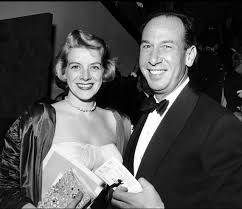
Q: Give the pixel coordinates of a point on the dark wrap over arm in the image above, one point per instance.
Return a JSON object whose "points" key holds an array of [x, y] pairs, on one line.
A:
{"points": [[26, 143]]}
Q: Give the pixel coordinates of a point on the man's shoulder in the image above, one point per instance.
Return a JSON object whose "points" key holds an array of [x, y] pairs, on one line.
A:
{"points": [[208, 106]]}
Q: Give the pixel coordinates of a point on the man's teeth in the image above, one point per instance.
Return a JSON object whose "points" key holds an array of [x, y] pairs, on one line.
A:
{"points": [[155, 72]]}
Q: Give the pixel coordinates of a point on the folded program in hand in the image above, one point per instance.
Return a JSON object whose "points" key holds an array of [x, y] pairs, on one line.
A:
{"points": [[63, 192]]}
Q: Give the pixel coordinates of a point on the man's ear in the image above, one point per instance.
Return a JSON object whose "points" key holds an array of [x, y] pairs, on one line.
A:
{"points": [[191, 54]]}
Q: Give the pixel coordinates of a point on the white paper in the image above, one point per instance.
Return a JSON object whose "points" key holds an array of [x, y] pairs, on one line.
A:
{"points": [[112, 170]]}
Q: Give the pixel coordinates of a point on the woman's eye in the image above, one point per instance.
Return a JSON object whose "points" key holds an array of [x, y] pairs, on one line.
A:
{"points": [[95, 67]]}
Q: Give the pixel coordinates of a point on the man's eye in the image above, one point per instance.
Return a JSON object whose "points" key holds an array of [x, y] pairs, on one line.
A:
{"points": [[146, 46], [166, 46], [75, 67]]}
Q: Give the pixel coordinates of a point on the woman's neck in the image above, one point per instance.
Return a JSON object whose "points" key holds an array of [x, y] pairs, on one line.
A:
{"points": [[83, 106]]}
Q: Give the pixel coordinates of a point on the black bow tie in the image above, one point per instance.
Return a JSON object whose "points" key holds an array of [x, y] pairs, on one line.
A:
{"points": [[149, 105]]}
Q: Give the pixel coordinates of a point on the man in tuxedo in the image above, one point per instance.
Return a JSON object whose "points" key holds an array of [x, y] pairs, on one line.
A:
{"points": [[189, 155]]}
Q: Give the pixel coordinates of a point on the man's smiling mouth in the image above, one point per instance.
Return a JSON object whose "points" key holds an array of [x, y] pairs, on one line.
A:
{"points": [[157, 71]]}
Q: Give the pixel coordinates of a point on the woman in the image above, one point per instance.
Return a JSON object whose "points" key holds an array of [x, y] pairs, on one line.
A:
{"points": [[75, 125]]}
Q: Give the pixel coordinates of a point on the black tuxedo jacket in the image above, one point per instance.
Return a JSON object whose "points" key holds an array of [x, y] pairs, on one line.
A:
{"points": [[194, 159]]}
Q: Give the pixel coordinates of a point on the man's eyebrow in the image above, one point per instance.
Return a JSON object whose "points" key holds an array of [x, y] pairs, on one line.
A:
{"points": [[162, 42], [168, 41], [70, 63], [144, 42]]}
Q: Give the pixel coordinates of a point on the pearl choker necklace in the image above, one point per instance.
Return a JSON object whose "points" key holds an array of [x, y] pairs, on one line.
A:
{"points": [[81, 109]]}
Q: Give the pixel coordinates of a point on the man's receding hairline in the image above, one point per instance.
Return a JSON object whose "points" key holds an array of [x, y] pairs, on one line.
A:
{"points": [[166, 16]]}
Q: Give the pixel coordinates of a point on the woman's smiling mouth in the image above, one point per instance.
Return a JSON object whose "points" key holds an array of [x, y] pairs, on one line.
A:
{"points": [[84, 86]]}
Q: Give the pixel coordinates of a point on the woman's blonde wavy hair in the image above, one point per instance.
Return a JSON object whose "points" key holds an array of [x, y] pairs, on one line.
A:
{"points": [[78, 39]]}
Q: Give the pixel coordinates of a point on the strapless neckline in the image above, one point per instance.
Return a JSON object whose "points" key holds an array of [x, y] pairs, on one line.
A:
{"points": [[92, 156], [83, 144]]}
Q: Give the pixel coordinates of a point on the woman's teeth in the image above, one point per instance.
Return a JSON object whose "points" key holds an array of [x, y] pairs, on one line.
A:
{"points": [[84, 86]]}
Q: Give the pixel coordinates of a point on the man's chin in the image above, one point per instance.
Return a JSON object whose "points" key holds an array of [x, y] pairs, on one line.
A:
{"points": [[155, 86]]}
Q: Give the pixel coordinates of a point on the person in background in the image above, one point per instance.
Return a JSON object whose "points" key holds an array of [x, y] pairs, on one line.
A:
{"points": [[228, 49], [210, 76], [124, 93], [233, 86], [76, 125], [187, 152]]}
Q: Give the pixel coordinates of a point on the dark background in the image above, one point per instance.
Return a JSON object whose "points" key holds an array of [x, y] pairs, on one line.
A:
{"points": [[221, 15], [25, 62]]}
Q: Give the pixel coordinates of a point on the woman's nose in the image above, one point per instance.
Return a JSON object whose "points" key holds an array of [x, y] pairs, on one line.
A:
{"points": [[85, 74]]}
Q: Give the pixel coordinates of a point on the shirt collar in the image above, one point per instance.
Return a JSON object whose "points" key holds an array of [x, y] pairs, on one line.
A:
{"points": [[174, 94]]}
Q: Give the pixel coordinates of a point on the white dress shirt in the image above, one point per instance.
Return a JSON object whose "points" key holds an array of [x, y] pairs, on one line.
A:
{"points": [[150, 126]]}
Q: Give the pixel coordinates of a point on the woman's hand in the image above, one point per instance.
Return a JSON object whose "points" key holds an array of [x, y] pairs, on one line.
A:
{"points": [[28, 205], [78, 198], [148, 198]]}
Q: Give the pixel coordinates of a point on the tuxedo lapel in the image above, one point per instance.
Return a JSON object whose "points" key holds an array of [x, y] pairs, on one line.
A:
{"points": [[130, 148], [166, 133]]}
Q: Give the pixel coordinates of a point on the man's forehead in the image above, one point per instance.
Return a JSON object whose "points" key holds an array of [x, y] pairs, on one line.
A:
{"points": [[163, 26], [165, 22]]}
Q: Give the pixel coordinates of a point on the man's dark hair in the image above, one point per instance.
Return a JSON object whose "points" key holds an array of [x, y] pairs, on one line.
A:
{"points": [[187, 20]]}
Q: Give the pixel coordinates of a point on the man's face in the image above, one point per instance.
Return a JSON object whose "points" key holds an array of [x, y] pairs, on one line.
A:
{"points": [[162, 54]]}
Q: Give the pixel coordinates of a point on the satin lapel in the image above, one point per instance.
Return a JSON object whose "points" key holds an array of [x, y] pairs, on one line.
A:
{"points": [[166, 133], [130, 148]]}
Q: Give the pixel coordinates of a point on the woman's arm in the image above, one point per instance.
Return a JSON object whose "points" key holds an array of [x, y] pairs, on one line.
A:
{"points": [[11, 193]]}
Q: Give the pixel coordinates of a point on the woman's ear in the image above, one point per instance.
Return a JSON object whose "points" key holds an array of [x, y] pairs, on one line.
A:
{"points": [[191, 54], [59, 71]]}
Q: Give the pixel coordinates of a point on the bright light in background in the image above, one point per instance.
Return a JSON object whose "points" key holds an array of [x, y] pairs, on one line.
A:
{"points": [[139, 4]]}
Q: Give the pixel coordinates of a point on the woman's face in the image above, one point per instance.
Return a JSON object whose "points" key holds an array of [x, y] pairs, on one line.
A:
{"points": [[84, 72]]}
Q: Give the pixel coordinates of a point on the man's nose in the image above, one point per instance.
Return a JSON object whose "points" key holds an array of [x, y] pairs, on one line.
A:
{"points": [[155, 57]]}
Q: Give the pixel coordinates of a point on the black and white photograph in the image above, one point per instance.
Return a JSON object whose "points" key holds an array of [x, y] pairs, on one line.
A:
{"points": [[121, 104]]}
